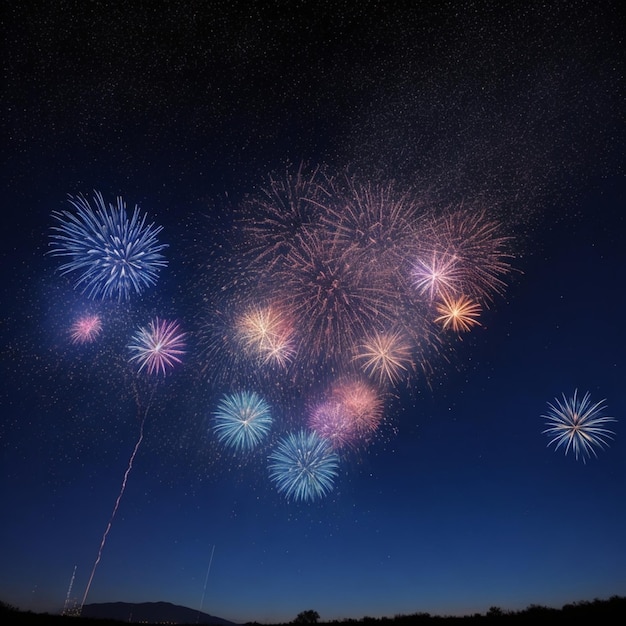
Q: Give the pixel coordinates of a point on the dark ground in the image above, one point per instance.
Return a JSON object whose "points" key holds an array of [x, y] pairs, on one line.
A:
{"points": [[605, 612]]}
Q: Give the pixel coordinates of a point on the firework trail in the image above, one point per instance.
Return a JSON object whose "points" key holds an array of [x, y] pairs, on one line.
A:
{"points": [[578, 425], [119, 498], [113, 255], [66, 606], [206, 580]]}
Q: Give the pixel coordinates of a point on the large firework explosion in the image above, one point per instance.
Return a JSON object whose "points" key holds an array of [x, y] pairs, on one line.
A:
{"points": [[113, 254]]}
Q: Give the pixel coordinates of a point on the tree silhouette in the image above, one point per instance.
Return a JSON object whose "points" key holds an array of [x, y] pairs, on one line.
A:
{"points": [[307, 617]]}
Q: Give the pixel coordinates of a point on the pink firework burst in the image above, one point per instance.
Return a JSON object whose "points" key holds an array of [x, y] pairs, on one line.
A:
{"points": [[158, 347], [349, 416], [86, 329], [363, 404], [479, 249]]}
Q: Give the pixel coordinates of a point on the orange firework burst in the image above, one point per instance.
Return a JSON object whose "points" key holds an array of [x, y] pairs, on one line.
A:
{"points": [[458, 314], [266, 333], [385, 356]]}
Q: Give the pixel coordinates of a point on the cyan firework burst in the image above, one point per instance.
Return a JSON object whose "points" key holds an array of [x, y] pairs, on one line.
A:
{"points": [[578, 425], [242, 420], [303, 466], [158, 347], [112, 254]]}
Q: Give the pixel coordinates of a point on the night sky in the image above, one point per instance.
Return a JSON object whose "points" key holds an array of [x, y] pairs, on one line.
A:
{"points": [[188, 110]]}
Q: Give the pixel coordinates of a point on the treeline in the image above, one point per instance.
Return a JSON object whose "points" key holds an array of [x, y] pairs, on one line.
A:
{"points": [[605, 612]]}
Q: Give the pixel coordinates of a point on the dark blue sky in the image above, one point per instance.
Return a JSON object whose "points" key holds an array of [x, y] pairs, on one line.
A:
{"points": [[184, 109]]}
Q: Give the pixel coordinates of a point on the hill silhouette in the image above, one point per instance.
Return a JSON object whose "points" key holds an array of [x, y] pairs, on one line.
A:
{"points": [[151, 612]]}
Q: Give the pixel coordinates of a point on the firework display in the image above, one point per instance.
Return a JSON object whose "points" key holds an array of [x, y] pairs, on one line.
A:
{"points": [[334, 292]]}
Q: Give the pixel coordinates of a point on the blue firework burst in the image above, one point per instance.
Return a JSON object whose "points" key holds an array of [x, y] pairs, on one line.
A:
{"points": [[242, 420], [112, 254], [578, 425], [303, 466]]}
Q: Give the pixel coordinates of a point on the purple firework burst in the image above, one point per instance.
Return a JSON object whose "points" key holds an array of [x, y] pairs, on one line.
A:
{"points": [[158, 347]]}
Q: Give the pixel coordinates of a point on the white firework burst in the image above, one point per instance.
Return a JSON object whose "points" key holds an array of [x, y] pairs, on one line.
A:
{"points": [[578, 425]]}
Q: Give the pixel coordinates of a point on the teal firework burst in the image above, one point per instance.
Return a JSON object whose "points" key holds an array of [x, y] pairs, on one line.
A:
{"points": [[242, 420], [303, 466]]}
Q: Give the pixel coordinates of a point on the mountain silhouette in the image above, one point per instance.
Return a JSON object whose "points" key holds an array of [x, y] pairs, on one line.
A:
{"points": [[152, 612]]}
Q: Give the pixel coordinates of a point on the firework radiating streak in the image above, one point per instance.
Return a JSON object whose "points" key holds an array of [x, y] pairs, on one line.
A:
{"points": [[206, 580], [117, 502]]}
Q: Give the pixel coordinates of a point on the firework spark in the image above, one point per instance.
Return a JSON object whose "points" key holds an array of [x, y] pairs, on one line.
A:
{"points": [[578, 425], [303, 466], [242, 420], [158, 347], [458, 314], [86, 329], [114, 255]]}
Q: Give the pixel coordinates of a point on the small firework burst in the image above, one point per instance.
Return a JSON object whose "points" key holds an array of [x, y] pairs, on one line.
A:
{"points": [[86, 329], [242, 420], [437, 275], [158, 347], [385, 356], [458, 314], [578, 425]]}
